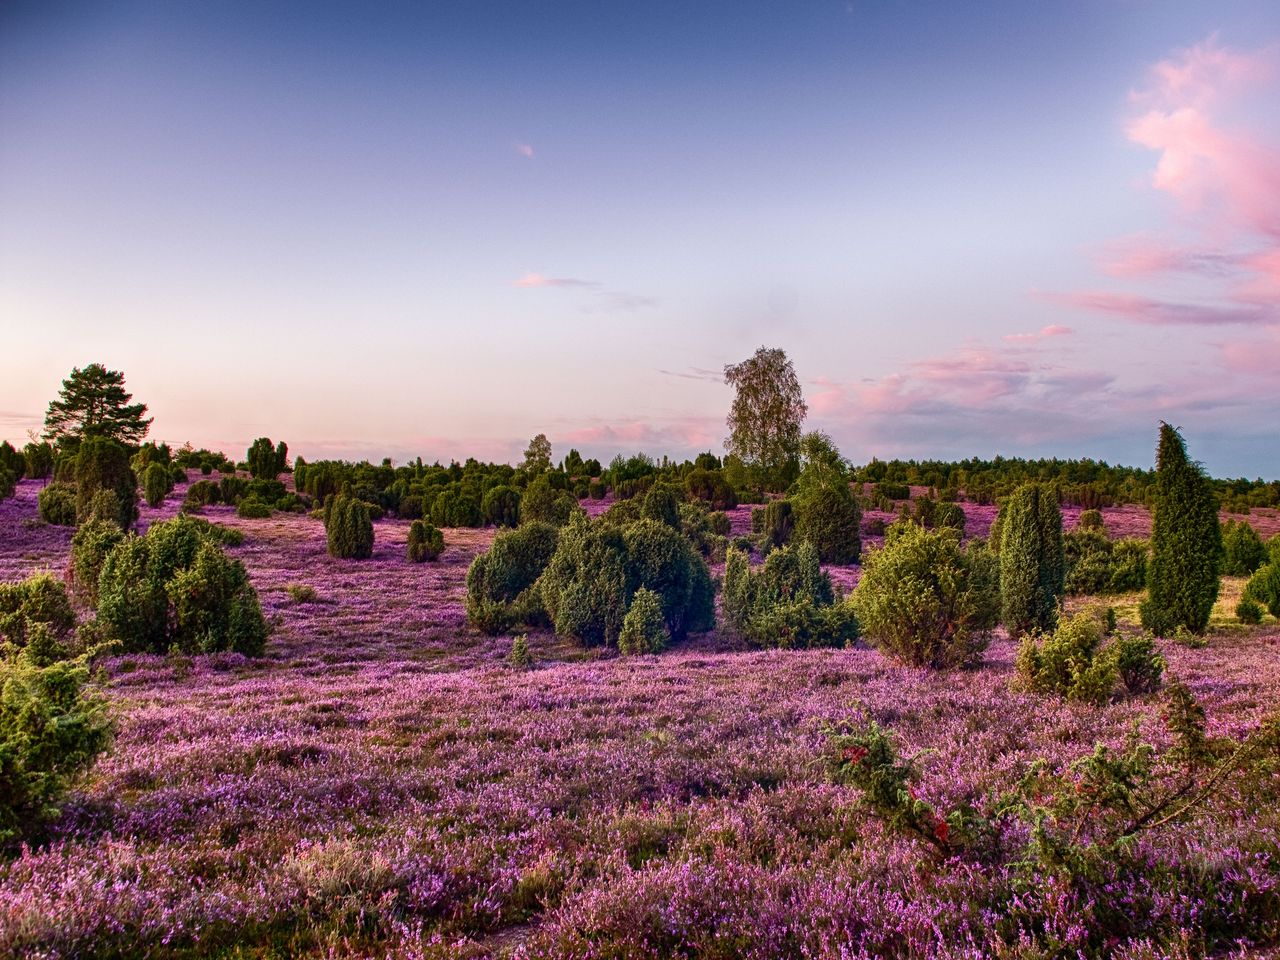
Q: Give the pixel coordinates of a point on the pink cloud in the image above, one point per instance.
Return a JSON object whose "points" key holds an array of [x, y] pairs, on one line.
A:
{"points": [[1158, 313], [538, 280], [1253, 357], [525, 150], [674, 434], [1052, 330]]}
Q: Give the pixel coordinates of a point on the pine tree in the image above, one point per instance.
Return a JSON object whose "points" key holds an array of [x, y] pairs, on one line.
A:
{"points": [[1186, 542], [94, 403], [1032, 565]]}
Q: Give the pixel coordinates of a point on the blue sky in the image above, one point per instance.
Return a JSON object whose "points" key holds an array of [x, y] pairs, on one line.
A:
{"points": [[439, 228]]}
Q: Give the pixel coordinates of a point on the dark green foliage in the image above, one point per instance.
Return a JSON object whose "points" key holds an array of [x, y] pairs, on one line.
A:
{"points": [[1032, 563], [586, 587], [232, 489], [829, 517], [1090, 520], [1097, 565], [8, 483], [1242, 549], [661, 504], [103, 464], [11, 461], [251, 509], [201, 494], [1138, 663], [1248, 611], [660, 559], [268, 491], [500, 583], [40, 599], [156, 484], [94, 403], [1186, 542], [597, 490], [265, 461], [644, 629], [893, 491], [425, 542], [775, 525], [214, 606], [711, 487], [456, 507], [92, 542], [543, 503], [925, 600], [410, 507], [501, 506], [1264, 587], [38, 460], [788, 603], [349, 528], [51, 730], [175, 587], [177, 474], [57, 504]]}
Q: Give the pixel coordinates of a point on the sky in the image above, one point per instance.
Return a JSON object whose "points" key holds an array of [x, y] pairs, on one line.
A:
{"points": [[436, 229]]}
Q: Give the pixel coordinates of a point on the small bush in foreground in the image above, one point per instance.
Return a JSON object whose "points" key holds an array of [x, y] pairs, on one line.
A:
{"points": [[425, 542], [40, 599], [1248, 611], [51, 730], [520, 658]]}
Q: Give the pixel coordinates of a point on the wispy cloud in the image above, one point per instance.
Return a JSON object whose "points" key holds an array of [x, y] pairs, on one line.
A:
{"points": [[696, 373], [1044, 333], [606, 299], [525, 150], [1160, 313]]}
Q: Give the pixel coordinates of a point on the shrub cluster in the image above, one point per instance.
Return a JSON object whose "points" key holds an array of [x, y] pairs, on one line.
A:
{"points": [[1073, 661], [425, 542], [829, 517], [102, 465], [644, 630], [175, 587], [156, 483], [57, 504], [1098, 565], [1242, 549], [501, 590], [349, 528], [92, 542], [774, 524], [789, 602], [265, 461], [927, 601]]}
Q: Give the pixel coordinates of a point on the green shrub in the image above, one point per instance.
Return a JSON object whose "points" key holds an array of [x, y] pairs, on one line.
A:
{"points": [[92, 542], [269, 491], [232, 489], [8, 483], [501, 506], [520, 658], [251, 509], [1264, 587], [893, 491], [710, 486], [644, 628], [302, 593], [597, 490], [1069, 662], [1242, 549], [1091, 520], [1248, 611], [103, 465], [1186, 542], [501, 591], [11, 462], [661, 560], [349, 528], [266, 461], [543, 503], [425, 542], [201, 494], [51, 730], [789, 602], [775, 525], [1032, 564], [214, 606], [1137, 661], [586, 586], [926, 601], [39, 599], [38, 460], [828, 516], [410, 507], [455, 507], [802, 624], [175, 587], [155, 484], [661, 504], [57, 504]]}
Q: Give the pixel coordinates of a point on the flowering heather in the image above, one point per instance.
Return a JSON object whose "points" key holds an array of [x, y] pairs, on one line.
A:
{"points": [[383, 783]]}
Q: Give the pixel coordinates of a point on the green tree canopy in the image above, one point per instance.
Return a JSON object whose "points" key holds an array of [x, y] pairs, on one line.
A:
{"points": [[94, 403], [537, 456], [764, 421]]}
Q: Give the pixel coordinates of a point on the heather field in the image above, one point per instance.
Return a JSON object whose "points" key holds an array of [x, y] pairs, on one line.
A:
{"points": [[381, 783]]}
